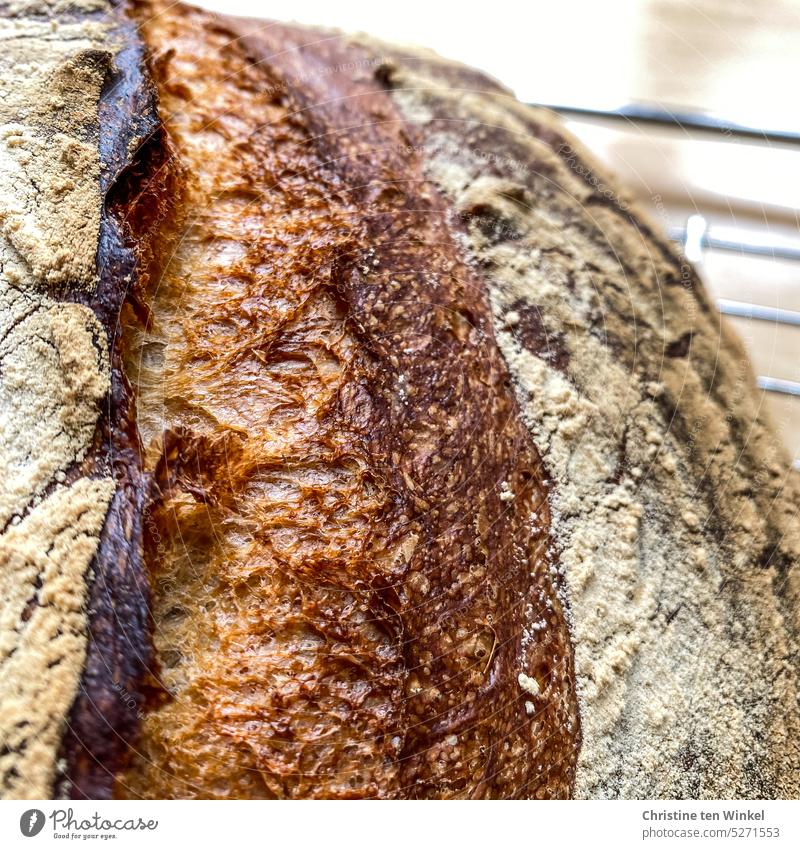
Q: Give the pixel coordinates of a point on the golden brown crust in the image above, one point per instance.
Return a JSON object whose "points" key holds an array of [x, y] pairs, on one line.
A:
{"points": [[349, 547]]}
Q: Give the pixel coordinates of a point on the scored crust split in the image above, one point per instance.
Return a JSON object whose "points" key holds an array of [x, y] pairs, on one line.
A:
{"points": [[361, 439]]}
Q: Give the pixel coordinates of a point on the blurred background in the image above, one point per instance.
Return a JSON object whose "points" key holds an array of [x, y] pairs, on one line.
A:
{"points": [[691, 102]]}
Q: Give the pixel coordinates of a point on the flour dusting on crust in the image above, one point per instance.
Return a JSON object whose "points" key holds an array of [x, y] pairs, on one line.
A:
{"points": [[54, 374], [43, 577], [673, 505]]}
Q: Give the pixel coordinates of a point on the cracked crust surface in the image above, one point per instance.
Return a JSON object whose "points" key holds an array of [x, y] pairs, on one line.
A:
{"points": [[349, 539], [43, 580], [54, 374]]}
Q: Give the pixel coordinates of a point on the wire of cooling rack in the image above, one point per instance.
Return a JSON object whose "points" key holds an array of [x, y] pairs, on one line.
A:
{"points": [[697, 236], [645, 113]]}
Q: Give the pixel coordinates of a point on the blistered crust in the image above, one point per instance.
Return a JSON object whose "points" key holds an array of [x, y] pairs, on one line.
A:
{"points": [[355, 588], [352, 592]]}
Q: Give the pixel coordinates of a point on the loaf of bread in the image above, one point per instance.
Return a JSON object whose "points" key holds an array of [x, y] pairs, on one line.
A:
{"points": [[361, 439]]}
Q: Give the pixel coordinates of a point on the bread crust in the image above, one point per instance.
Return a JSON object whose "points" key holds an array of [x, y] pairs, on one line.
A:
{"points": [[352, 522], [364, 441], [674, 504]]}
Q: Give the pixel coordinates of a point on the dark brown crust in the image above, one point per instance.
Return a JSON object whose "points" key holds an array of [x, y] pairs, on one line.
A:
{"points": [[446, 715], [104, 719]]}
